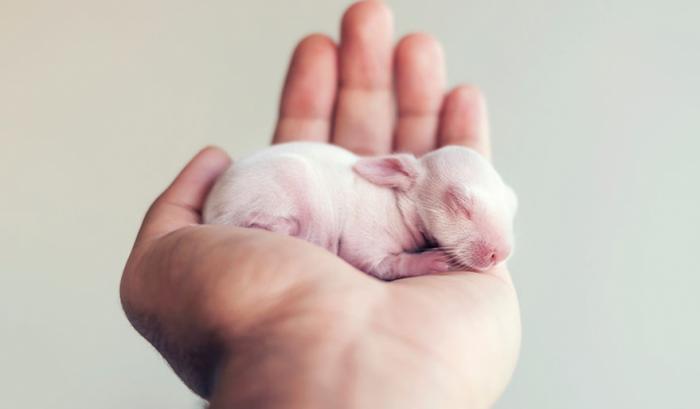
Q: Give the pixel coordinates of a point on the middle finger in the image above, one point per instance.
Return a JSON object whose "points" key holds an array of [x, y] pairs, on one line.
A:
{"points": [[365, 113]]}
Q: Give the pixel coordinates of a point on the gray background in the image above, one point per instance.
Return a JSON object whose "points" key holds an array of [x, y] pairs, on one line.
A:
{"points": [[595, 117]]}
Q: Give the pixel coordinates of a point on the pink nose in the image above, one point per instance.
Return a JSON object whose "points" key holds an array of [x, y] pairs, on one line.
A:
{"points": [[488, 256]]}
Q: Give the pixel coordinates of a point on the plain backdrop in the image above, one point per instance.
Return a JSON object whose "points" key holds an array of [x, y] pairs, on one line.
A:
{"points": [[595, 109]]}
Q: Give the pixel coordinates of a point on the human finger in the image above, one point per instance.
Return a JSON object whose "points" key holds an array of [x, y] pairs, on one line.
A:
{"points": [[180, 205], [464, 120], [419, 70], [365, 112], [308, 97]]}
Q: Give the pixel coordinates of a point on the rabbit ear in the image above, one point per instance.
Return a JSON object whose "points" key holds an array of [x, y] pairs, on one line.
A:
{"points": [[398, 171]]}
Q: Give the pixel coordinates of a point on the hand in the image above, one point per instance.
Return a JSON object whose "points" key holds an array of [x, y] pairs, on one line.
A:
{"points": [[253, 319]]}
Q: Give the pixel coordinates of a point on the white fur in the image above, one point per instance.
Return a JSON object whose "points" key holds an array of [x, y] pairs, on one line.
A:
{"points": [[375, 213]]}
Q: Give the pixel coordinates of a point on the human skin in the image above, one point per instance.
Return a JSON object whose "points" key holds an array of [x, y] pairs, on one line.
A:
{"points": [[253, 319]]}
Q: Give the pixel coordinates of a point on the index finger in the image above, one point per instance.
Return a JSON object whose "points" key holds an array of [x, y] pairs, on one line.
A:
{"points": [[309, 92]]}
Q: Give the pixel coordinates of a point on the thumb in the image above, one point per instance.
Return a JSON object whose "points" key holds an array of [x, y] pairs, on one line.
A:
{"points": [[180, 205]]}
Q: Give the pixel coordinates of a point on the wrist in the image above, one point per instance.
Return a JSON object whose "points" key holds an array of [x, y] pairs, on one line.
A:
{"points": [[340, 361], [288, 361]]}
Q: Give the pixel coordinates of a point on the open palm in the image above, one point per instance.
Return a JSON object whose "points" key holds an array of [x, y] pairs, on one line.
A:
{"points": [[217, 299]]}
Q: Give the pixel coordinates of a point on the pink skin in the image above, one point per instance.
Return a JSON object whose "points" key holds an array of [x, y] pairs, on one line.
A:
{"points": [[473, 219], [391, 216]]}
